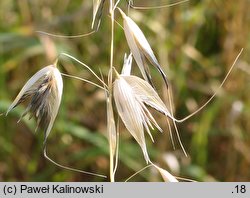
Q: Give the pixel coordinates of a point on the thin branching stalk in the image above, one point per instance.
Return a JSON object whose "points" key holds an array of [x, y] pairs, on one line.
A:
{"points": [[155, 7], [68, 168], [185, 179], [66, 36], [84, 80], [137, 172], [215, 93], [86, 66]]}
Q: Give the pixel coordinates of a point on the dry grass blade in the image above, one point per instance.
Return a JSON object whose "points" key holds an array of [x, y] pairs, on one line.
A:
{"points": [[112, 137], [111, 126], [140, 48], [44, 92]]}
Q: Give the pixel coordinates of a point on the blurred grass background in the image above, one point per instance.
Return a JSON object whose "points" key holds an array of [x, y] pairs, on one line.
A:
{"points": [[195, 42]]}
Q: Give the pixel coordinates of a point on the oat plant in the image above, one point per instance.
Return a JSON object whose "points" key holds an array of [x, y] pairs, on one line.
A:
{"points": [[130, 99]]}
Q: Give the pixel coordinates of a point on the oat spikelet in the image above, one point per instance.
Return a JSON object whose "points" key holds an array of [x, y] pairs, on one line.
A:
{"points": [[97, 13], [140, 48], [126, 69], [43, 91], [132, 95], [167, 177], [131, 112]]}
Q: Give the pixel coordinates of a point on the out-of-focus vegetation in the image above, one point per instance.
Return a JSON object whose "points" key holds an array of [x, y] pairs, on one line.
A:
{"points": [[195, 42]]}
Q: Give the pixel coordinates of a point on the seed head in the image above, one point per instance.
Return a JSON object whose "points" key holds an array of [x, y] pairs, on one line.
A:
{"points": [[132, 95], [43, 91], [97, 13], [140, 48]]}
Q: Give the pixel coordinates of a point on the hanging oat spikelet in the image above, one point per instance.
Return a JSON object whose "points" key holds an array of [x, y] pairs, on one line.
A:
{"points": [[131, 95], [166, 176], [140, 48], [43, 91], [97, 13]]}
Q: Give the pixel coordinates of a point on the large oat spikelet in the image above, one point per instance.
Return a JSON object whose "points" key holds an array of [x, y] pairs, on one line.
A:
{"points": [[140, 48], [131, 95], [43, 91]]}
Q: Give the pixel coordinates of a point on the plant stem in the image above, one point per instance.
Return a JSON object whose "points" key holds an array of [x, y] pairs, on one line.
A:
{"points": [[111, 155]]}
